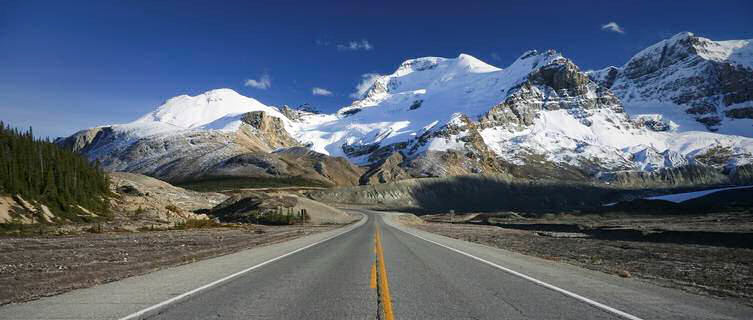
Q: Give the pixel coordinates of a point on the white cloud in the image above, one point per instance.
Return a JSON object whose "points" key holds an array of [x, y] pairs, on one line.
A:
{"points": [[320, 92], [367, 80], [613, 27], [264, 82], [356, 45]]}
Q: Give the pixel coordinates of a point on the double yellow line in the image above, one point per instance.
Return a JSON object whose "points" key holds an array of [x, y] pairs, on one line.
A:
{"points": [[379, 273]]}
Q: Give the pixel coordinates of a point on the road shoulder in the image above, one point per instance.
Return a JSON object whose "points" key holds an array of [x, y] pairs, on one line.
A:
{"points": [[635, 297], [119, 299]]}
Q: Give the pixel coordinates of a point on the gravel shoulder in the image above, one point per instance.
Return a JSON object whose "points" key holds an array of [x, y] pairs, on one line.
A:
{"points": [[34, 267], [713, 270]]}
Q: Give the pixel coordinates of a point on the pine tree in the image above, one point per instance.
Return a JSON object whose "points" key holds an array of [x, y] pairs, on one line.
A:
{"points": [[40, 170]]}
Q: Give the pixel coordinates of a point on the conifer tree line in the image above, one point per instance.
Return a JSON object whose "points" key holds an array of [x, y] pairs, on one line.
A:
{"points": [[40, 170]]}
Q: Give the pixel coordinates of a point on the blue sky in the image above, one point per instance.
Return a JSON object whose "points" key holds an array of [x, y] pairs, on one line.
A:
{"points": [[68, 65]]}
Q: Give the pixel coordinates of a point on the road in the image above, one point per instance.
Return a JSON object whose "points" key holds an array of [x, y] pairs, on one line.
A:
{"points": [[333, 280], [381, 269]]}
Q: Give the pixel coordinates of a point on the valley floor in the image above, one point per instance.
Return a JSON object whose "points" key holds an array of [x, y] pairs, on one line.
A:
{"points": [[33, 267], [692, 257]]}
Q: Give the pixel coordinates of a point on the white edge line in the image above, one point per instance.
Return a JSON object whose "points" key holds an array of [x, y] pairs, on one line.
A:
{"points": [[141, 312], [536, 281]]}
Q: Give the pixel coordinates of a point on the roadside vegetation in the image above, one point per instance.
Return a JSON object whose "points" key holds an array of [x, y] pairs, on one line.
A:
{"points": [[39, 171], [231, 183], [198, 224]]}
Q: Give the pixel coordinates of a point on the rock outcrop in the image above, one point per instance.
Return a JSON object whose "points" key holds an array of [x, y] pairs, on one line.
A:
{"points": [[264, 208], [88, 139], [555, 86], [385, 170], [143, 200]]}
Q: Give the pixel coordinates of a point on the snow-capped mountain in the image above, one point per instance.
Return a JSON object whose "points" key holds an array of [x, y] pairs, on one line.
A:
{"points": [[540, 117], [695, 82], [217, 109], [219, 133]]}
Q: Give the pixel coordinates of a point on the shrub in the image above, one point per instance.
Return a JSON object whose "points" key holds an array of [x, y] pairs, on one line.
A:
{"points": [[196, 224]]}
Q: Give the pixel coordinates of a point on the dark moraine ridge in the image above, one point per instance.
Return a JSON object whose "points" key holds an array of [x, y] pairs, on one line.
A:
{"points": [[479, 193]]}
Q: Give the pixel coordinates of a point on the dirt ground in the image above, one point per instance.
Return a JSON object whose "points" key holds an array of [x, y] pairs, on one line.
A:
{"points": [[717, 270], [33, 267]]}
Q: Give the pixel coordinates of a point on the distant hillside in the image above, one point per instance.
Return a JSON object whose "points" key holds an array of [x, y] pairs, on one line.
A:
{"points": [[476, 193], [56, 183]]}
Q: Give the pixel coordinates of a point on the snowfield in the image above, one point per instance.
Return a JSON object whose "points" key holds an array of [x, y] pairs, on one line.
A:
{"points": [[685, 196]]}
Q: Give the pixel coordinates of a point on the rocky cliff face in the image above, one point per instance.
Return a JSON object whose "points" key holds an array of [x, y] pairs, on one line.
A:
{"points": [[559, 85], [301, 111], [464, 152], [84, 140], [269, 130], [710, 81]]}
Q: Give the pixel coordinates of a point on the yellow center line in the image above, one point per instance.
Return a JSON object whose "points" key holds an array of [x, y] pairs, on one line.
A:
{"points": [[384, 287], [373, 280], [373, 276]]}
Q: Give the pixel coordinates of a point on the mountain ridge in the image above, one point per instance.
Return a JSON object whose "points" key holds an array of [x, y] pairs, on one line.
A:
{"points": [[540, 117]]}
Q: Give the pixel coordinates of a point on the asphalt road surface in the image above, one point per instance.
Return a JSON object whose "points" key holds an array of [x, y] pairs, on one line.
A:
{"points": [[382, 270], [336, 280]]}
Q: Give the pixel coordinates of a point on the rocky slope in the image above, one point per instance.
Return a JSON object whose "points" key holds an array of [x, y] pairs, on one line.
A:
{"points": [[135, 201], [696, 82], [145, 201], [17, 210]]}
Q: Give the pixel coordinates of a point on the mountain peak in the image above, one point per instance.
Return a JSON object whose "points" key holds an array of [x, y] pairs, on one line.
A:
{"points": [[190, 112], [221, 92], [418, 64], [534, 58], [531, 60], [685, 44], [681, 35], [464, 62], [474, 64]]}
